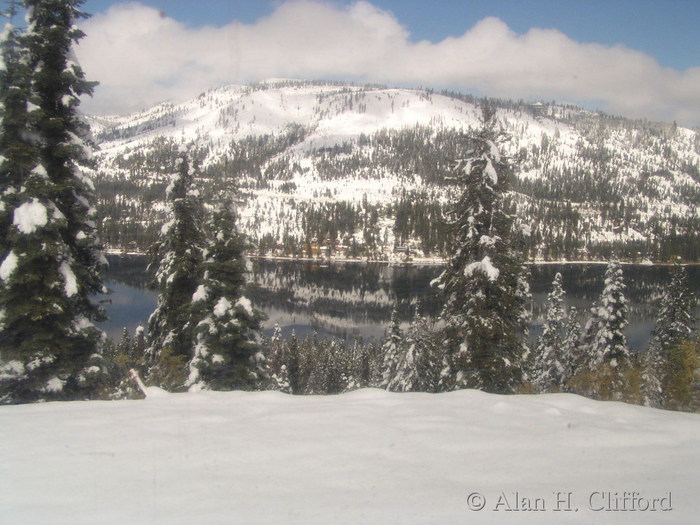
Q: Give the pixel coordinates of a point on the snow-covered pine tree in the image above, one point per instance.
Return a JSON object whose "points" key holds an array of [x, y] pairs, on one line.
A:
{"points": [[328, 374], [294, 365], [125, 345], [338, 368], [140, 340], [51, 265], [571, 345], [420, 364], [351, 356], [125, 356], [605, 355], [366, 364], [549, 359], [675, 321], [227, 354], [604, 337], [177, 256], [309, 363], [391, 349], [276, 359], [485, 284], [674, 325]]}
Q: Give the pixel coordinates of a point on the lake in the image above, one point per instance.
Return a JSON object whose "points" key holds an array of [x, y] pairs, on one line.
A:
{"points": [[354, 300]]}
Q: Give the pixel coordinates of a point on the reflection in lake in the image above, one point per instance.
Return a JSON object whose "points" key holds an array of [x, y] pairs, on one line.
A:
{"points": [[355, 299], [343, 300], [129, 303]]}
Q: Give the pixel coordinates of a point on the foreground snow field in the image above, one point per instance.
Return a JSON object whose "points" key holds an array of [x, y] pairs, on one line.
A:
{"points": [[360, 458]]}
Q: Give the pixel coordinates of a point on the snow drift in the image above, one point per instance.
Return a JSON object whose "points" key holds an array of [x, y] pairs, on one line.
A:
{"points": [[365, 457]]}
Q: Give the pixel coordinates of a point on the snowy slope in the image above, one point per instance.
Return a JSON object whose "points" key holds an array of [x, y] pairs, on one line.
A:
{"points": [[337, 112], [625, 181], [363, 457]]}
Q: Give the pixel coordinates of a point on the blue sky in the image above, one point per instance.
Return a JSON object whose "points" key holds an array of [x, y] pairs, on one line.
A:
{"points": [[592, 52]]}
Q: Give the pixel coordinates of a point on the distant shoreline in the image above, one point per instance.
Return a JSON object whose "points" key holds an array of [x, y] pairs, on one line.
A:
{"points": [[420, 261]]}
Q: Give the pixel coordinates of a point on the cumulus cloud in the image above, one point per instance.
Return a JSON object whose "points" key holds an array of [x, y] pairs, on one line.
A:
{"points": [[142, 57]]}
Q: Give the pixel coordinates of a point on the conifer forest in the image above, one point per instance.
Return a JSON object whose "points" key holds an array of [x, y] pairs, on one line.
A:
{"points": [[313, 170]]}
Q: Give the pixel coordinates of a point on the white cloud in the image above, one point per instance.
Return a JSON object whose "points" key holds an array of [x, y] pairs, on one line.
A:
{"points": [[142, 57]]}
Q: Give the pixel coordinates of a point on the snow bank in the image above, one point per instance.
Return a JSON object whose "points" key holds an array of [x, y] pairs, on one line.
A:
{"points": [[153, 392], [365, 457]]}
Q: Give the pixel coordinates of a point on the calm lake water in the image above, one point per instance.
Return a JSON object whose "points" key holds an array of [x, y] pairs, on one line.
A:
{"points": [[355, 299]]}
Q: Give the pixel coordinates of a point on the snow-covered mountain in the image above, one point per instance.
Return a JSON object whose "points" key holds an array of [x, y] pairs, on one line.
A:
{"points": [[365, 169]]}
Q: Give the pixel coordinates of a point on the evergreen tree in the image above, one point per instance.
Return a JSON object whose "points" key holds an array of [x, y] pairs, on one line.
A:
{"points": [[391, 349], [366, 365], [571, 345], [484, 284], [51, 262], [127, 355], [550, 359], [309, 362], [226, 354], [355, 358], [277, 357], [125, 343], [606, 358], [674, 325], [329, 370], [140, 340], [604, 339], [294, 365], [681, 386], [420, 364], [178, 258], [675, 322]]}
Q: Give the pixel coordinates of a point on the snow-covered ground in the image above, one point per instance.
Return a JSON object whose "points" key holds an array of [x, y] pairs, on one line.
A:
{"points": [[367, 457]]}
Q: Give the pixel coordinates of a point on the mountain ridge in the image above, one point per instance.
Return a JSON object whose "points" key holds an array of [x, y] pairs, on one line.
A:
{"points": [[366, 169]]}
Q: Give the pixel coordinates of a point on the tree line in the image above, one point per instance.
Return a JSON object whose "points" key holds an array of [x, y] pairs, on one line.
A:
{"points": [[570, 205], [205, 333]]}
